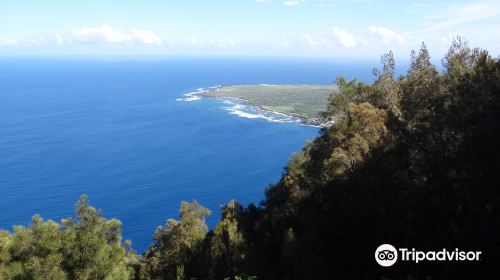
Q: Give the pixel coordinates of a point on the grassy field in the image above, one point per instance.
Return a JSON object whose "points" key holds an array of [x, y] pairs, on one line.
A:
{"points": [[305, 101]]}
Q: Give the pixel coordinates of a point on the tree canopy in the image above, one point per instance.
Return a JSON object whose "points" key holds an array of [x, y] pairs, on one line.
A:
{"points": [[409, 160], [85, 247]]}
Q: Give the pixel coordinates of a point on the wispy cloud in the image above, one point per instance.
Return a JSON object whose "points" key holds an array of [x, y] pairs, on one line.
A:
{"points": [[345, 39], [8, 42], [336, 37], [371, 37], [387, 36], [106, 34], [197, 43], [292, 2], [456, 15], [102, 35], [429, 5], [318, 40]]}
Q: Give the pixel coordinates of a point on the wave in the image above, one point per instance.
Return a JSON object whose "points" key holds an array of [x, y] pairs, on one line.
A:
{"points": [[268, 85], [192, 96], [235, 107], [188, 99], [238, 107]]}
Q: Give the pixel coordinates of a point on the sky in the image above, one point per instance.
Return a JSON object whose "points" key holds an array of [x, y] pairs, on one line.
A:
{"points": [[344, 29]]}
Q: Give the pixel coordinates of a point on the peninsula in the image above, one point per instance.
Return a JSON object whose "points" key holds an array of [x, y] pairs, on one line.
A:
{"points": [[305, 101]]}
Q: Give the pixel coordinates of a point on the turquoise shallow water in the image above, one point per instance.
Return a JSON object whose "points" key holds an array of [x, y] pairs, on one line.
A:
{"points": [[115, 130]]}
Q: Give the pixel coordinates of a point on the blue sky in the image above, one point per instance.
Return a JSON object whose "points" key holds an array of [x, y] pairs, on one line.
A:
{"points": [[330, 28]]}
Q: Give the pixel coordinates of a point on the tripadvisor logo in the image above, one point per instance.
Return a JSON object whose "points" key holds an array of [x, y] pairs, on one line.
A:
{"points": [[387, 255]]}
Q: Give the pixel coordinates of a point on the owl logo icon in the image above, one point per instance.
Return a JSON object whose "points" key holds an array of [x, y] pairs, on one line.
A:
{"points": [[386, 255]]}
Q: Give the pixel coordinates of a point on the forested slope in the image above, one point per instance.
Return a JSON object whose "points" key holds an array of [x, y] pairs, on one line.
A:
{"points": [[412, 161]]}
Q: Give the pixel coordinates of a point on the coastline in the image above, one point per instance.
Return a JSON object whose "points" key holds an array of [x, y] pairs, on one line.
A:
{"points": [[303, 120], [207, 93]]}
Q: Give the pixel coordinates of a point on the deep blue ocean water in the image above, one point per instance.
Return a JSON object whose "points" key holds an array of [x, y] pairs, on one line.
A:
{"points": [[113, 129]]}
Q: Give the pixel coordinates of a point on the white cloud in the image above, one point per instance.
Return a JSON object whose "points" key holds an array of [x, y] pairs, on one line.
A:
{"points": [[193, 42], [345, 39], [316, 40], [432, 5], [386, 35], [309, 3], [288, 3], [371, 37], [337, 37], [7, 42], [460, 14], [291, 2], [476, 21], [105, 34]]}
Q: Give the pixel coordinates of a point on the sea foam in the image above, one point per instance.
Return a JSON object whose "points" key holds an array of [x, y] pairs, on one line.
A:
{"points": [[239, 108], [192, 96], [236, 107]]}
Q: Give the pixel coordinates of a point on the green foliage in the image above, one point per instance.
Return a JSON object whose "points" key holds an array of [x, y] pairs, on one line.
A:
{"points": [[5, 241], [364, 130], [349, 92], [176, 243], [96, 245], [88, 247], [412, 161], [409, 160], [228, 248], [388, 95], [37, 252]]}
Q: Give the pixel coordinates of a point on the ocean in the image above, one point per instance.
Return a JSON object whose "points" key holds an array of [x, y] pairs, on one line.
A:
{"points": [[123, 131]]}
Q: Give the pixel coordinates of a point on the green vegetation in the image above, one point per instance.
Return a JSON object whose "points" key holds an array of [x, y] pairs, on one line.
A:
{"points": [[88, 247], [412, 161], [304, 101]]}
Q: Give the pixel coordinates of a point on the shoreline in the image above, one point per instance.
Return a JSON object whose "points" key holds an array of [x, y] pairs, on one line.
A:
{"points": [[303, 120], [204, 93]]}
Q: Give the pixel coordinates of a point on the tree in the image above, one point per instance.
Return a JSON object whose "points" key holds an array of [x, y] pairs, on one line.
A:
{"points": [[94, 248], [88, 247], [5, 241], [390, 98], [420, 90], [228, 248], [175, 244], [37, 251], [412, 161], [364, 130]]}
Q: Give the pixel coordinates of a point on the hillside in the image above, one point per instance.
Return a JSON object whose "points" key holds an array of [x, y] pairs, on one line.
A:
{"points": [[412, 161]]}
